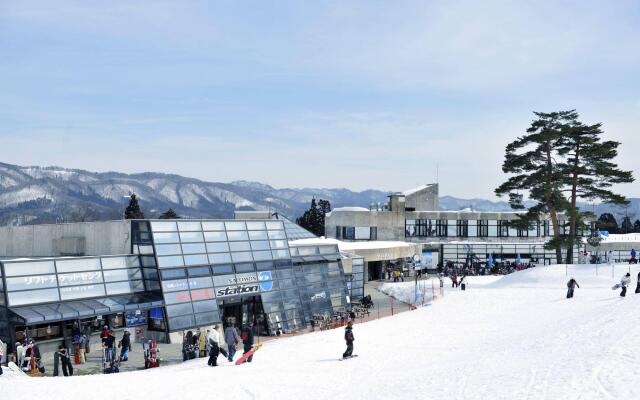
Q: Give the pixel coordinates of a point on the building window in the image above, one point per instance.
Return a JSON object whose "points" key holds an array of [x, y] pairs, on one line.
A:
{"points": [[338, 232], [503, 229]]}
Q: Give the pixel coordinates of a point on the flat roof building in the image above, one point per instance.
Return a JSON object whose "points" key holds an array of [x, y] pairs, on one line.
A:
{"points": [[463, 236]]}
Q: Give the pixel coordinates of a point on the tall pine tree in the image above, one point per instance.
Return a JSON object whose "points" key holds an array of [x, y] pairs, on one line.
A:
{"points": [[530, 160], [588, 172], [133, 210], [313, 219]]}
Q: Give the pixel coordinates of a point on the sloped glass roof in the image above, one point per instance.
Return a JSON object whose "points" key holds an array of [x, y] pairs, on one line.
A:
{"points": [[295, 231], [85, 308]]}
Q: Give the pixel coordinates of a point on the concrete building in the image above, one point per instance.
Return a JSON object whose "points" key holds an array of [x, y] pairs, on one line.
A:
{"points": [[457, 236]]}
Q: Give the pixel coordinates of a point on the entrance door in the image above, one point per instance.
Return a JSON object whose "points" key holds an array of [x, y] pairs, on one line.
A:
{"points": [[240, 311], [374, 270]]}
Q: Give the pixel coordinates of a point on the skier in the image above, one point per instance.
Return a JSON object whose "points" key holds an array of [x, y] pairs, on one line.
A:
{"points": [[624, 282], [232, 339], [125, 346], [638, 285], [348, 337], [62, 357], [213, 340], [463, 282], [247, 339], [571, 285]]}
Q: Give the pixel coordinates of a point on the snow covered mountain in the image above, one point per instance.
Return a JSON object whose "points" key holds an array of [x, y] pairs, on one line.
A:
{"points": [[31, 194], [47, 194]]}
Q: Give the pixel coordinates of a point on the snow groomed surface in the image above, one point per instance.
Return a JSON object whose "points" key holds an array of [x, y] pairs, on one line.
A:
{"points": [[514, 338]]}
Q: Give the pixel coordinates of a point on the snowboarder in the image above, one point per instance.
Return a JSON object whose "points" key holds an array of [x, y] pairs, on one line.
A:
{"points": [[62, 357], [638, 284], [571, 285], [247, 339], [108, 344], [624, 282], [232, 339], [125, 346], [463, 282], [348, 337], [213, 340]]}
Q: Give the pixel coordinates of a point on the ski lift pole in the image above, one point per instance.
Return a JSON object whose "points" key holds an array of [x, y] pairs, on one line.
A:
{"points": [[416, 289]]}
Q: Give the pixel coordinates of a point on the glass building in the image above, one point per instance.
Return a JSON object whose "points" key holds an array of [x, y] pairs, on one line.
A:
{"points": [[181, 274]]}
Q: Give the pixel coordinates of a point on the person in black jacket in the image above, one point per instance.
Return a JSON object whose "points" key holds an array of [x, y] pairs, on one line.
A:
{"points": [[125, 346], [348, 337], [571, 285], [62, 357], [638, 285], [247, 339]]}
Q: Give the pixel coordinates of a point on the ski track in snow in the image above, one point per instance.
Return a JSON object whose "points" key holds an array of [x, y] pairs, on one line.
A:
{"points": [[517, 338]]}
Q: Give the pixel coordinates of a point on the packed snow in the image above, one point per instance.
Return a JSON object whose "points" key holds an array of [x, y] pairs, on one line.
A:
{"points": [[517, 337]]}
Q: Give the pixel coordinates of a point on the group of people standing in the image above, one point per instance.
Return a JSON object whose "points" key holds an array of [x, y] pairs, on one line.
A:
{"points": [[232, 337]]}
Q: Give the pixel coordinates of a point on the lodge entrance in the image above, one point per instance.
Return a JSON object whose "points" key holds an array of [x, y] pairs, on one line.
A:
{"points": [[241, 310]]}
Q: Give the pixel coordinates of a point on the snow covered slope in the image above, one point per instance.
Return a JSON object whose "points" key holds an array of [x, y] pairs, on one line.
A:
{"points": [[516, 338]]}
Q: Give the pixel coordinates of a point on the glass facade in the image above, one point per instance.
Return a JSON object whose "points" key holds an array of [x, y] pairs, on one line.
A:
{"points": [[186, 273], [471, 228], [52, 280], [502, 252], [207, 265]]}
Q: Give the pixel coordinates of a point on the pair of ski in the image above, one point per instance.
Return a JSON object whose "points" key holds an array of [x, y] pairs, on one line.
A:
{"points": [[348, 357]]}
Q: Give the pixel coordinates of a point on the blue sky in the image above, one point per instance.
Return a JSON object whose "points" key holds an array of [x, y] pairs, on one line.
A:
{"points": [[370, 94]]}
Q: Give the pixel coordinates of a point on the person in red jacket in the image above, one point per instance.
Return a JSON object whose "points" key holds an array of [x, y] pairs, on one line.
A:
{"points": [[454, 280]]}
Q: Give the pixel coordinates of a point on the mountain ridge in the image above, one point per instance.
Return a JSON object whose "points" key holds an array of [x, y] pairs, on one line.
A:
{"points": [[34, 194]]}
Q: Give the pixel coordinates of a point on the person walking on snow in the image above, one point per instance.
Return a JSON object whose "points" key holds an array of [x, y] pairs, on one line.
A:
{"points": [[213, 340], [348, 337], [633, 257], [232, 338], [454, 280], [463, 282], [247, 339], [441, 279], [624, 282], [571, 285], [638, 284]]}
